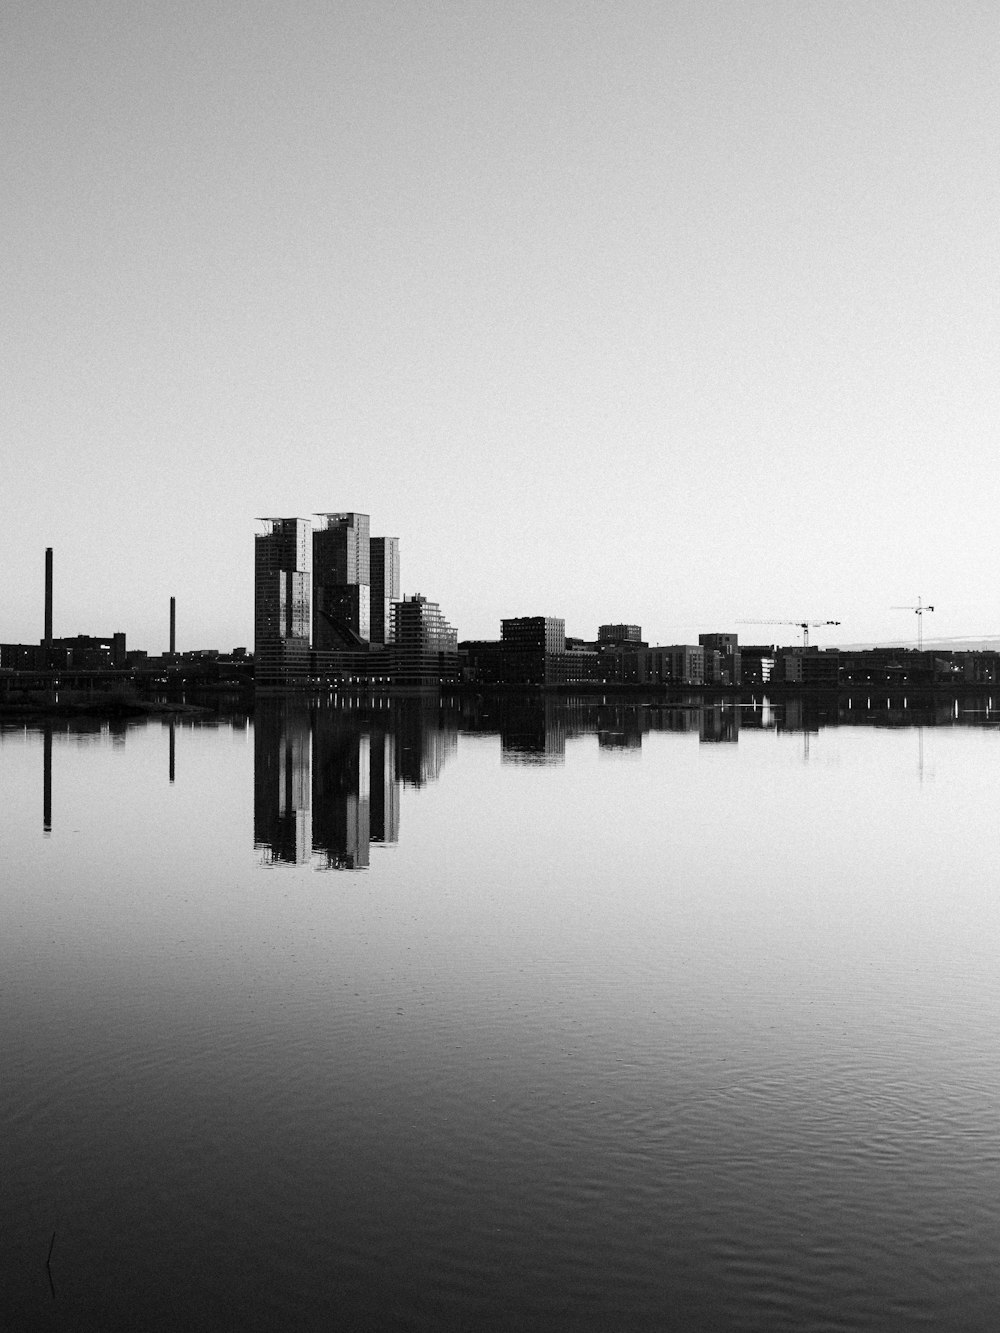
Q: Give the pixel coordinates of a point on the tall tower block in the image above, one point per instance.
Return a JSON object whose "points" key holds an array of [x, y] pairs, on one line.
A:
{"points": [[341, 582], [385, 585], [47, 641], [281, 600]]}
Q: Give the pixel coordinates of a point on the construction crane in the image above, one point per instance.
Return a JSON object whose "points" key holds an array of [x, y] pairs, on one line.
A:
{"points": [[804, 625], [919, 609]]}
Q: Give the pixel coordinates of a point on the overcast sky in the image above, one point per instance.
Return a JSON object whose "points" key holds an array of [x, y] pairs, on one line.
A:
{"points": [[676, 313]]}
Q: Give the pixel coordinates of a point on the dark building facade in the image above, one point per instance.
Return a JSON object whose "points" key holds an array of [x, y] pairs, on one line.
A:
{"points": [[531, 645], [424, 650], [384, 564], [723, 664], [281, 600], [341, 577]]}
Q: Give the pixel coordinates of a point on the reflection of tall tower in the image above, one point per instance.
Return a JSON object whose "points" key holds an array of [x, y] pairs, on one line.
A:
{"points": [[341, 582], [384, 585], [341, 805], [384, 787], [47, 780], [281, 752], [281, 600]]}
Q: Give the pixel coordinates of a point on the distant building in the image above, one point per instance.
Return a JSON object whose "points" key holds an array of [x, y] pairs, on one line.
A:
{"points": [[81, 652], [281, 600], [91, 652], [676, 664], [810, 666], [384, 564], [482, 661], [341, 550], [530, 645], [32, 657], [757, 662], [619, 636], [424, 646], [723, 664]]}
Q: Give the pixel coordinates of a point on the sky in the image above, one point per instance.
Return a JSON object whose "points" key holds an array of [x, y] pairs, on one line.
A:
{"points": [[680, 314]]}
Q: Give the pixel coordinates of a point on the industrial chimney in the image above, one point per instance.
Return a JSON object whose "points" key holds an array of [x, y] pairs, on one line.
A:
{"points": [[173, 626], [47, 641]]}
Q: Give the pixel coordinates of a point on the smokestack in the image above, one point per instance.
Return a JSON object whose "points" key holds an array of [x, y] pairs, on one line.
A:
{"points": [[47, 641], [173, 625]]}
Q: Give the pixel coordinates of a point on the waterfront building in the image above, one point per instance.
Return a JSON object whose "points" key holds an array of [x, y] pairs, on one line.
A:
{"points": [[530, 647], [424, 646], [723, 665], [482, 661], [281, 600], [757, 663], [810, 666], [384, 566], [618, 636], [675, 664], [341, 611]]}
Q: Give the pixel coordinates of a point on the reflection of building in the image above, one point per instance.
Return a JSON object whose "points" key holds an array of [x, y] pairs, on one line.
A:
{"points": [[281, 601], [327, 778], [383, 787], [341, 582], [719, 722], [281, 745], [619, 727], [532, 730], [340, 785], [424, 739], [384, 560]]}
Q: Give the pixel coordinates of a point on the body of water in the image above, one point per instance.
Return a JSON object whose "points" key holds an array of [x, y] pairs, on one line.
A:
{"points": [[532, 1014]]}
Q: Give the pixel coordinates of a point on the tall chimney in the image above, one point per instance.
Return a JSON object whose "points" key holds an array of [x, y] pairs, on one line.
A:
{"points": [[173, 625], [47, 641]]}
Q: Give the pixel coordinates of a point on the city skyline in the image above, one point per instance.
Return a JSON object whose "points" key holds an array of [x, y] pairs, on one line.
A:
{"points": [[676, 313]]}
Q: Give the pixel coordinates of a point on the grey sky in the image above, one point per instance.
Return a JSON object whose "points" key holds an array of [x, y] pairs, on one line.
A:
{"points": [[676, 313]]}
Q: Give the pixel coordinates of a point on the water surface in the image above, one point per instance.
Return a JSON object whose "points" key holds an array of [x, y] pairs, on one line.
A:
{"points": [[525, 1014]]}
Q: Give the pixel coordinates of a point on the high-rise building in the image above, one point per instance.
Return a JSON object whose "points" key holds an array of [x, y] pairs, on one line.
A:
{"points": [[281, 600], [341, 582], [384, 563]]}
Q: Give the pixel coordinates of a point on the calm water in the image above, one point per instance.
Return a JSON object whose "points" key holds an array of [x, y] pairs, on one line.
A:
{"points": [[541, 1016]]}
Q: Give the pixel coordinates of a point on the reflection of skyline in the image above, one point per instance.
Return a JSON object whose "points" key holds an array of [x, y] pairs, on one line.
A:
{"points": [[327, 778], [535, 728]]}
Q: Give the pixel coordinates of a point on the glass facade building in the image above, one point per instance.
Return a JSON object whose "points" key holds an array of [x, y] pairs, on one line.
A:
{"points": [[384, 564], [341, 548], [425, 646], [281, 600]]}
